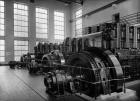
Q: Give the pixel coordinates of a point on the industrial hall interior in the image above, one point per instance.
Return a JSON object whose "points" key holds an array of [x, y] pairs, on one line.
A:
{"points": [[69, 50]]}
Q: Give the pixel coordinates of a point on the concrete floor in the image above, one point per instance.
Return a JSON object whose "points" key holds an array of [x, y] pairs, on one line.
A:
{"points": [[19, 85]]}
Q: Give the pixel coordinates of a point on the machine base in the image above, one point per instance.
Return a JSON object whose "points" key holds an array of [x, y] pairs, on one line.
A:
{"points": [[129, 95]]}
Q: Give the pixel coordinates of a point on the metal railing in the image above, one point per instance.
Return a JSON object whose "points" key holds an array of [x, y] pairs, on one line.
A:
{"points": [[131, 19]]}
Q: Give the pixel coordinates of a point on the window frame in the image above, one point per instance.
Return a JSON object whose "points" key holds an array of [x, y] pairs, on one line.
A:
{"points": [[21, 26], [64, 25], [2, 30], [2, 50], [21, 49], [79, 24], [47, 26]]}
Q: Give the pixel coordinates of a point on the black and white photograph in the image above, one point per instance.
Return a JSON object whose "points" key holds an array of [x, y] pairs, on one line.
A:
{"points": [[69, 50]]}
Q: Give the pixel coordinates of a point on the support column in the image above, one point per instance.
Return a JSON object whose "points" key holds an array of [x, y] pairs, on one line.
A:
{"points": [[9, 31], [127, 37], [51, 26], [118, 35], [135, 37], [32, 27]]}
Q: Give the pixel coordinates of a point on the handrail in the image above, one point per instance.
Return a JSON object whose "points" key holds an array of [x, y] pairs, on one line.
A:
{"points": [[130, 20]]}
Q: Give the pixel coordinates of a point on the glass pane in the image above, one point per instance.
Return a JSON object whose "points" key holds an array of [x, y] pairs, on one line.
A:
{"points": [[44, 16], [2, 42], [20, 47], [1, 15], [15, 5], [1, 21], [59, 32], [2, 27], [79, 21], [2, 53], [1, 33], [2, 59], [1, 9], [1, 3], [79, 32], [45, 35], [59, 37], [59, 28], [59, 23], [17, 58], [2, 48], [79, 27], [79, 13], [41, 23], [58, 18], [25, 7], [59, 14], [17, 53], [41, 20], [20, 20]]}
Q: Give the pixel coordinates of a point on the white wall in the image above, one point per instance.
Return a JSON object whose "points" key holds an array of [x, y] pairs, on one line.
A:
{"points": [[124, 8], [51, 5]]}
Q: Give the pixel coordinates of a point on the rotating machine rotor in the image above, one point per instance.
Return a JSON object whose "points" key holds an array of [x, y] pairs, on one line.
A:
{"points": [[53, 58], [100, 72]]}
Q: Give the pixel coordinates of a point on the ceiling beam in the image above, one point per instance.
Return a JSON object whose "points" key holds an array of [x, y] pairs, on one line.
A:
{"points": [[100, 9], [71, 1], [103, 7]]}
